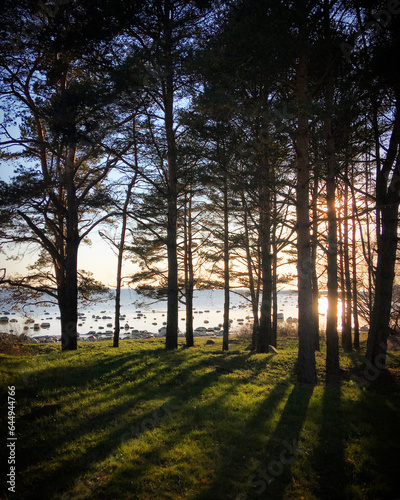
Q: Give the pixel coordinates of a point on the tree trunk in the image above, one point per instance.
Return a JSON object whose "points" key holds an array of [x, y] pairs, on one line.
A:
{"points": [[369, 246], [171, 338], [252, 287], [264, 331], [119, 264], [380, 317], [225, 335], [274, 264], [69, 309], [342, 280], [354, 270], [189, 278], [332, 338], [274, 328], [314, 246], [346, 331], [121, 246], [306, 353], [388, 199]]}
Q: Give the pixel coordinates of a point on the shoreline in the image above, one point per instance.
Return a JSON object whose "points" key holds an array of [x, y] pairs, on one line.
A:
{"points": [[144, 318]]}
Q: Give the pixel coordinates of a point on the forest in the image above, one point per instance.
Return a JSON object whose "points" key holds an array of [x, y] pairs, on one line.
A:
{"points": [[213, 143]]}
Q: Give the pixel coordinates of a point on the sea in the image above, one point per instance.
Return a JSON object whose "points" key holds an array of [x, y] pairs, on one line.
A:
{"points": [[142, 314]]}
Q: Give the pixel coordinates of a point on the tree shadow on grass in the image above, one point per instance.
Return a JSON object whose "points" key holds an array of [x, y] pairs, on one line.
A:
{"points": [[43, 471], [328, 460], [274, 473], [249, 460], [42, 436], [224, 446], [373, 438]]}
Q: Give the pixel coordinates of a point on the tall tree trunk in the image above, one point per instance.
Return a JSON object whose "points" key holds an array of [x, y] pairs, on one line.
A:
{"points": [[380, 317], [314, 247], [189, 278], [369, 246], [119, 265], [264, 331], [332, 338], [121, 246], [346, 331], [274, 264], [225, 335], [252, 286], [354, 269], [306, 353], [388, 199], [171, 338], [69, 310], [342, 280]]}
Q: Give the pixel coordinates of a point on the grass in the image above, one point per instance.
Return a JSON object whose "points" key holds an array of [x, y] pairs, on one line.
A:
{"points": [[140, 422]]}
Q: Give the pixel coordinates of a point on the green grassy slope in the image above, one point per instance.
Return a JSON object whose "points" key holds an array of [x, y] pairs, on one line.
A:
{"points": [[140, 422]]}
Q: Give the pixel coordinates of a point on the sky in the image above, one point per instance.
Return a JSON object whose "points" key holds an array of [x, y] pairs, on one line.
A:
{"points": [[97, 258]]}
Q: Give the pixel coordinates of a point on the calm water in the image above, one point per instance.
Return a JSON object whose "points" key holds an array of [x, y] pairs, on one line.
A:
{"points": [[142, 313]]}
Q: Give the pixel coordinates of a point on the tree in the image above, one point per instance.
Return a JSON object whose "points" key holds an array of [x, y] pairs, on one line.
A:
{"points": [[306, 355], [163, 33], [57, 196], [332, 347], [379, 79]]}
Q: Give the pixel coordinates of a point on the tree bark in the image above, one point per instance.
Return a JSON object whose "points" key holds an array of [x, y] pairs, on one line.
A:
{"points": [[342, 279], [314, 246], [171, 338], [189, 277], [69, 308], [369, 246], [306, 353], [274, 277], [346, 330], [225, 335], [380, 317], [253, 291], [354, 269], [119, 264], [264, 331], [274, 327], [388, 200], [332, 338], [121, 246]]}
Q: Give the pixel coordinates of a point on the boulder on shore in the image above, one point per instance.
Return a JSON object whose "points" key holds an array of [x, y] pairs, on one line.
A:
{"points": [[272, 349]]}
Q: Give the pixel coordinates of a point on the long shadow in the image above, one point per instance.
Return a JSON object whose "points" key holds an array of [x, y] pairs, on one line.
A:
{"points": [[47, 475], [268, 475], [274, 473], [248, 448], [244, 438], [377, 464], [328, 459], [45, 448]]}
